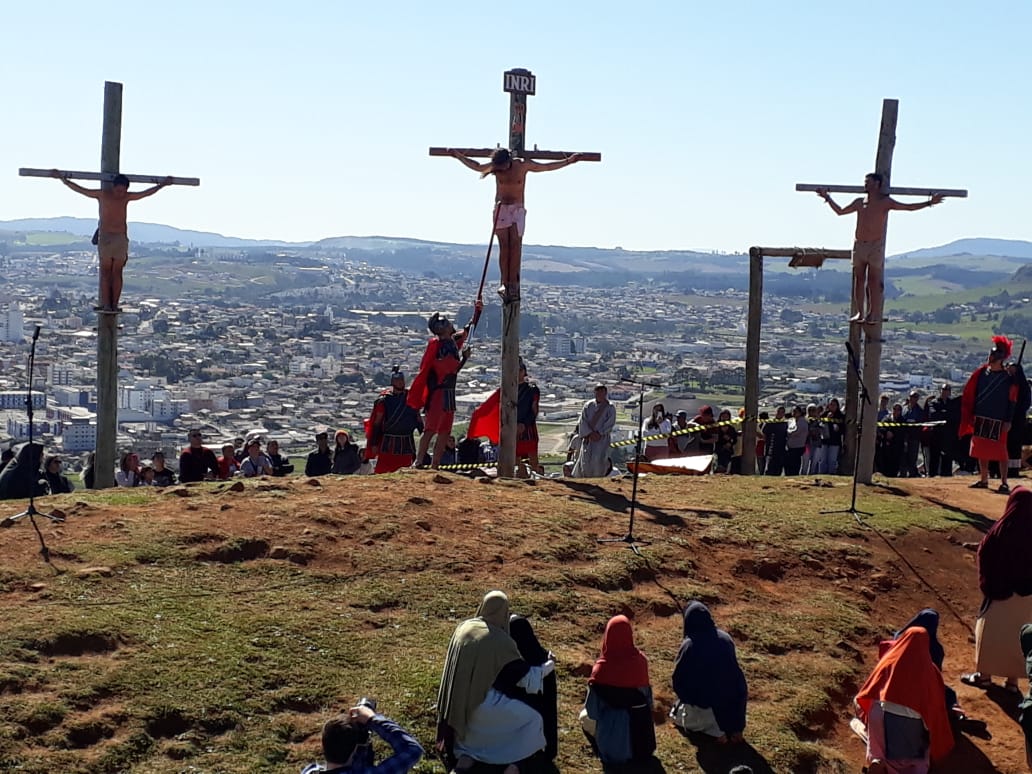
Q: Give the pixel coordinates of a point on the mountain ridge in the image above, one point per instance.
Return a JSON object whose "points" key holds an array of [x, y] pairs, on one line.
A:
{"points": [[164, 234]]}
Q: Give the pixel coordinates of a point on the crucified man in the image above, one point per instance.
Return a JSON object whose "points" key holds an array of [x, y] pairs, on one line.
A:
{"points": [[872, 214], [510, 216], [112, 233]]}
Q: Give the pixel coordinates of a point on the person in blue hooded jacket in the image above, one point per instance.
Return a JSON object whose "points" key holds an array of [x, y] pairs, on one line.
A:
{"points": [[709, 683]]}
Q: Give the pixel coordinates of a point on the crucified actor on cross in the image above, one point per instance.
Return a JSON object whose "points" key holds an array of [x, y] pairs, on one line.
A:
{"points": [[510, 216], [113, 231], [872, 214]]}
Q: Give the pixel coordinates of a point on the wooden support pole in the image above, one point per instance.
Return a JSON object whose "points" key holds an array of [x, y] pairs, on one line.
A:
{"points": [[958, 193], [873, 331], [753, 333], [852, 406], [752, 361], [107, 324], [107, 177], [510, 388]]}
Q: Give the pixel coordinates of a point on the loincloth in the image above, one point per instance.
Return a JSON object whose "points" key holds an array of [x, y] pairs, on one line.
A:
{"points": [[511, 215]]}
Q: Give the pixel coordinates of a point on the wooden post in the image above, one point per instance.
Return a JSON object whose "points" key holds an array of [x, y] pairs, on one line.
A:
{"points": [[800, 256], [510, 388], [519, 83], [752, 361], [873, 331], [107, 324]]}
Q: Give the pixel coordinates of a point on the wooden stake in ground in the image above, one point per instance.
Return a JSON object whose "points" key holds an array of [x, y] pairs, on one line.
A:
{"points": [[519, 84], [107, 323], [872, 328]]}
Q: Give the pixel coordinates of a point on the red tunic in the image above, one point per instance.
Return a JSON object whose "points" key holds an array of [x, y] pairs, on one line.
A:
{"points": [[434, 385]]}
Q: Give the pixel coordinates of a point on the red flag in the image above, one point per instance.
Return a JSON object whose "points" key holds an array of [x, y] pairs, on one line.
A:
{"points": [[486, 419]]}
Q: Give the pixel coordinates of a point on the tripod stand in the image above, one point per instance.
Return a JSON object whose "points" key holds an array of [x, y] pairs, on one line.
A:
{"points": [[631, 541], [865, 399], [31, 512]]}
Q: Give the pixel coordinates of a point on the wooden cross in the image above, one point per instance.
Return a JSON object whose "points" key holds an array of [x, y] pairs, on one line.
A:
{"points": [[873, 331], [107, 324], [520, 84]]}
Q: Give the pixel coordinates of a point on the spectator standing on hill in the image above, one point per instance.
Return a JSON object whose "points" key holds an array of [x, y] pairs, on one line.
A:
{"points": [[346, 457], [686, 443], [57, 482], [812, 455], [228, 465], [798, 432], [255, 463], [162, 475], [884, 410], [939, 459], [280, 462], [320, 461], [727, 436], [197, 462], [658, 423], [128, 473], [775, 441], [913, 414], [833, 426]]}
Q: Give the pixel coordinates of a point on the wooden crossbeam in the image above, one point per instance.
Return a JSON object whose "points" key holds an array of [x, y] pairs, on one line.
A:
{"points": [[959, 193], [792, 252], [107, 177], [485, 153]]}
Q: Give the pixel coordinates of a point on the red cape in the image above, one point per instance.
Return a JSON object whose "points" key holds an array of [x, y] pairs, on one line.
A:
{"points": [[419, 392], [906, 675], [486, 419], [967, 404]]}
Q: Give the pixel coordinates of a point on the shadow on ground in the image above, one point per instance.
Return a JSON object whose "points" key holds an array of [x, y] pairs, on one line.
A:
{"points": [[716, 758], [620, 503]]}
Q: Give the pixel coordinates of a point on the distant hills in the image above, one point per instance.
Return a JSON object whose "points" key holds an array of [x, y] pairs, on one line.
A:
{"points": [[1007, 248], [965, 263], [149, 233]]}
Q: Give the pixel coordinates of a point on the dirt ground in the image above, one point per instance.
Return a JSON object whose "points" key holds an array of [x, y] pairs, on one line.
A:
{"points": [[924, 568]]}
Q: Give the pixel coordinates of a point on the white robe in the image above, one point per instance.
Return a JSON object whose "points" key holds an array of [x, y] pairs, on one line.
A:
{"points": [[503, 730], [593, 460]]}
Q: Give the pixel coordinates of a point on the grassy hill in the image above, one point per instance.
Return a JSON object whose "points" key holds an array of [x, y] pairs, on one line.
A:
{"points": [[214, 627]]}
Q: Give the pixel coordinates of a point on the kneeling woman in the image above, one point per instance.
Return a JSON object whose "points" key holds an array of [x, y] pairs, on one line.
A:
{"points": [[476, 719], [617, 715], [903, 706], [710, 686]]}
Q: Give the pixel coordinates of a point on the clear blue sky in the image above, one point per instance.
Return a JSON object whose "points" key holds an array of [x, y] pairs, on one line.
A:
{"points": [[312, 119]]}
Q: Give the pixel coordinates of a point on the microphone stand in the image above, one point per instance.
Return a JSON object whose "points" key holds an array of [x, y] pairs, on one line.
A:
{"points": [[865, 399], [632, 542], [31, 512]]}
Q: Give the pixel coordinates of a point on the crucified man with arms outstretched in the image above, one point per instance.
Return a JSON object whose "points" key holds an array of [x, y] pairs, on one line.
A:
{"points": [[113, 232], [872, 214], [510, 216]]}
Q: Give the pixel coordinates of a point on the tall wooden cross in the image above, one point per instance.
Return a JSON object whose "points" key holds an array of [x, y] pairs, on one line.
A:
{"points": [[107, 324], [520, 84], [872, 331]]}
